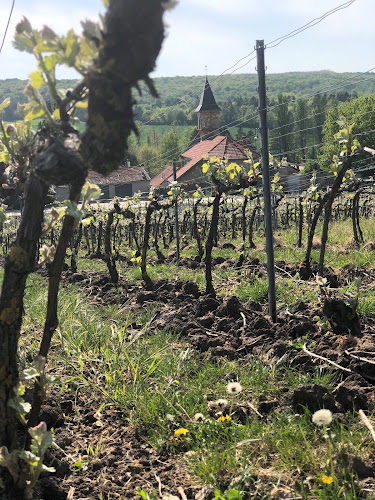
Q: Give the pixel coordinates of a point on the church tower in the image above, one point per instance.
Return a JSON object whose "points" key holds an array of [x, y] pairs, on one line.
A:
{"points": [[208, 114]]}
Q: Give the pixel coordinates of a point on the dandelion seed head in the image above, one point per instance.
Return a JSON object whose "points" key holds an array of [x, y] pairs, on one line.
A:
{"points": [[322, 417], [199, 417], [221, 403], [234, 388]]}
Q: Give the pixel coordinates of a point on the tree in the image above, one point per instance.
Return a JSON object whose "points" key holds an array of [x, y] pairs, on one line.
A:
{"points": [[149, 156], [59, 155], [361, 113], [319, 105], [281, 137], [239, 134], [300, 126], [170, 145], [228, 113]]}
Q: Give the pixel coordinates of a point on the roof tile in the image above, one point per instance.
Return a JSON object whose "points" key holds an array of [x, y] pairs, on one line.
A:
{"points": [[162, 176], [123, 174], [220, 146]]}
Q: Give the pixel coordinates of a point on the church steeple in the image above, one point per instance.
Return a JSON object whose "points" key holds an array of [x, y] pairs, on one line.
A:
{"points": [[208, 113]]}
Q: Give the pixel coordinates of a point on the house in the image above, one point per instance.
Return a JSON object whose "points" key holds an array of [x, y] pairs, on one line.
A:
{"points": [[123, 182], [208, 143], [289, 174], [190, 172]]}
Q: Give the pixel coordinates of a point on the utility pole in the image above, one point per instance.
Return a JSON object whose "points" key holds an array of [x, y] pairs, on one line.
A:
{"points": [[176, 216], [266, 179]]}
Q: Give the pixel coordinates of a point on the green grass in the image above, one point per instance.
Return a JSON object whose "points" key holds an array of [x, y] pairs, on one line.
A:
{"points": [[157, 381]]}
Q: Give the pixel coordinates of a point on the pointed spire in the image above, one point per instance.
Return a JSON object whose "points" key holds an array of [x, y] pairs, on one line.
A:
{"points": [[207, 102]]}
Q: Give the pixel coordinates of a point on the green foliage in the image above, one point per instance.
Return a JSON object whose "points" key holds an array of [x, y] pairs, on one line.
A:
{"points": [[157, 381], [228, 495], [50, 51], [170, 146], [18, 403], [41, 439], [14, 137], [361, 113], [281, 138], [230, 174], [179, 96]]}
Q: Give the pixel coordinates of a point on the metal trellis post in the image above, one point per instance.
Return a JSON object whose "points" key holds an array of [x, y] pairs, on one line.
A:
{"points": [[266, 180], [176, 215]]}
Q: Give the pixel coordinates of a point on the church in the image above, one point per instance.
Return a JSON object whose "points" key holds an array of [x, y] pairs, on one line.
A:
{"points": [[208, 142]]}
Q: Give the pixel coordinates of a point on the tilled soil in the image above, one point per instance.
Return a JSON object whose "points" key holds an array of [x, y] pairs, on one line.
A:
{"points": [[98, 454], [122, 461]]}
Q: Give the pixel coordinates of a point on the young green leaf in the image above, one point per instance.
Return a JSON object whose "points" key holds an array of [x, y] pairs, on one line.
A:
{"points": [[36, 79], [5, 103]]}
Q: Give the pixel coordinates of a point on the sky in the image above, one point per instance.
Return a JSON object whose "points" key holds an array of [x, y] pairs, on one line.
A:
{"points": [[217, 33]]}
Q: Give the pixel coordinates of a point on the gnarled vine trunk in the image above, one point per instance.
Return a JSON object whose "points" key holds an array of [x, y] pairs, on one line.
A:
{"points": [[210, 290], [133, 35]]}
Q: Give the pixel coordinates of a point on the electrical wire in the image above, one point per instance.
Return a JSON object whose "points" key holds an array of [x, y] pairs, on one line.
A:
{"points": [[323, 90], [239, 121], [272, 44], [325, 143], [310, 24], [7, 26], [282, 38], [231, 73], [239, 60], [304, 179], [328, 108], [316, 126]]}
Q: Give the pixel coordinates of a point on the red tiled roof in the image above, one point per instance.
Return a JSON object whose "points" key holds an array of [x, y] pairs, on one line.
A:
{"points": [[123, 174], [230, 149], [220, 146], [203, 147], [162, 177]]}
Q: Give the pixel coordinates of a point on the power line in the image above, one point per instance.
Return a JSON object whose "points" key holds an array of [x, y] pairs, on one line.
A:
{"points": [[319, 144], [271, 45], [7, 26], [282, 38], [236, 69], [328, 108], [324, 90], [239, 121], [310, 24], [239, 60], [295, 32], [315, 127]]}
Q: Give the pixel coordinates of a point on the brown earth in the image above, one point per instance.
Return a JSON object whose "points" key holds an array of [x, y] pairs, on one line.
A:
{"points": [[221, 328]]}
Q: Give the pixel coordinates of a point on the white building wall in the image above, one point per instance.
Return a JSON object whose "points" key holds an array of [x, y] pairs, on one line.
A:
{"points": [[62, 193], [142, 186]]}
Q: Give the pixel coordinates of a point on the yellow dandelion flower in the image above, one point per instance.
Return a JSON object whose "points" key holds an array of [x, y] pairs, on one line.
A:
{"points": [[223, 419], [327, 479], [180, 432]]}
